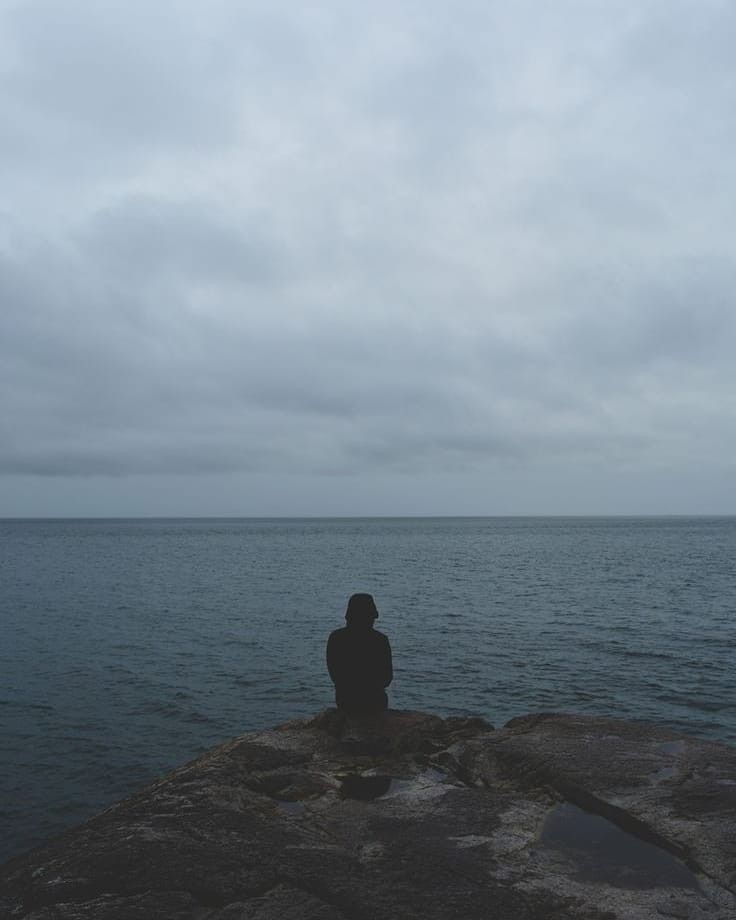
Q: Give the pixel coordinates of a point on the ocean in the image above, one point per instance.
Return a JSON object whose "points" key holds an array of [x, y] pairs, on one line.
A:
{"points": [[130, 646]]}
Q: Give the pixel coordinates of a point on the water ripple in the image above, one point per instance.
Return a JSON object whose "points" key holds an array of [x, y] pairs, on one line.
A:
{"points": [[107, 679]]}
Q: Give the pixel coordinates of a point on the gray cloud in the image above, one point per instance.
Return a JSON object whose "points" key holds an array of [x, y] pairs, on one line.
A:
{"points": [[492, 243], [116, 77]]}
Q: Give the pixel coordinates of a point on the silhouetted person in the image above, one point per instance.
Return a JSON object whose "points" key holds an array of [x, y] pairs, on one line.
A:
{"points": [[359, 660]]}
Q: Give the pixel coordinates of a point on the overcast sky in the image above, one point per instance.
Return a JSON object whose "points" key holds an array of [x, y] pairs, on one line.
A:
{"points": [[388, 258]]}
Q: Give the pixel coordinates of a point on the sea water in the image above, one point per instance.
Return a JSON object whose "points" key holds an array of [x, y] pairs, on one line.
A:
{"points": [[130, 646]]}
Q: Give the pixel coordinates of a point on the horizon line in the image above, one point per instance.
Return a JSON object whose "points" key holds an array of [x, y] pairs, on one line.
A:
{"points": [[358, 517]]}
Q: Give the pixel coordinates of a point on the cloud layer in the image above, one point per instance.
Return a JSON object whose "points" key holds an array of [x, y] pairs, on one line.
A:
{"points": [[414, 247]]}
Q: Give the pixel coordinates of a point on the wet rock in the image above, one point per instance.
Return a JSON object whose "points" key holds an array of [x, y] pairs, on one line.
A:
{"points": [[410, 816]]}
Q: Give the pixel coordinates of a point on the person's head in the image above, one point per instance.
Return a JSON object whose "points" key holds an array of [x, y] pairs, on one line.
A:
{"points": [[361, 610]]}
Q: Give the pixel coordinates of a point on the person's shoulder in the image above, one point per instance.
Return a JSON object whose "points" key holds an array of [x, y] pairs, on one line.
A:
{"points": [[382, 636], [337, 633]]}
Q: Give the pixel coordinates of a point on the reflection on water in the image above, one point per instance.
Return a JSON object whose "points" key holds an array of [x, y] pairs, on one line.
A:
{"points": [[602, 852], [364, 788]]}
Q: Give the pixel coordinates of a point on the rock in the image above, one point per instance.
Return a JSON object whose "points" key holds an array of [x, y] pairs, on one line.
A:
{"points": [[410, 816]]}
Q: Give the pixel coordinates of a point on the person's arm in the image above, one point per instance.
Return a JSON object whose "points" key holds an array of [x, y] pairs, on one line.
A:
{"points": [[387, 663], [333, 658]]}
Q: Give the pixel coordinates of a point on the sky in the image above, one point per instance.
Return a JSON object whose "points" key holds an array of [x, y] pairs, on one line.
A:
{"points": [[397, 258]]}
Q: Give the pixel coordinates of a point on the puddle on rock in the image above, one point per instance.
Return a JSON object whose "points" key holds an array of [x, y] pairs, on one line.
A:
{"points": [[368, 787], [365, 788], [602, 852]]}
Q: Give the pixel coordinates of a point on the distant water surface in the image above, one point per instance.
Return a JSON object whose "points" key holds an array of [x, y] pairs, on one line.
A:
{"points": [[130, 646]]}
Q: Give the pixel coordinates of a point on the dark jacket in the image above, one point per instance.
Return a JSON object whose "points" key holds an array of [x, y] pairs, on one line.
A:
{"points": [[359, 662]]}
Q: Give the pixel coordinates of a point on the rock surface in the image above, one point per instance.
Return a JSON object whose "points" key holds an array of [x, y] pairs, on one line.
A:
{"points": [[553, 816]]}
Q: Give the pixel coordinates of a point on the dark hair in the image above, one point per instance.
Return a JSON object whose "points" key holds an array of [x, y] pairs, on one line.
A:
{"points": [[361, 609]]}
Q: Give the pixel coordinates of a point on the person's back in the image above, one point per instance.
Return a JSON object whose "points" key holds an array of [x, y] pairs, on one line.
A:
{"points": [[359, 659]]}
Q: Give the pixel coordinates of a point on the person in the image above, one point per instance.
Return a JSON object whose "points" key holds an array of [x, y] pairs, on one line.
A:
{"points": [[359, 660]]}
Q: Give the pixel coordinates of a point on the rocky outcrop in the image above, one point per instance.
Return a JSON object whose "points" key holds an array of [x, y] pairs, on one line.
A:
{"points": [[412, 816]]}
